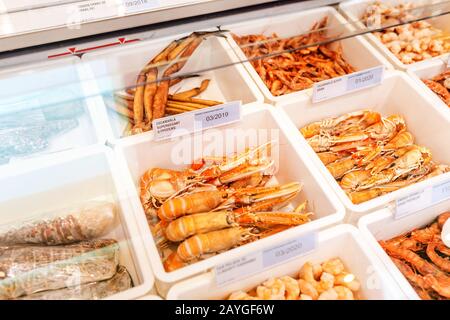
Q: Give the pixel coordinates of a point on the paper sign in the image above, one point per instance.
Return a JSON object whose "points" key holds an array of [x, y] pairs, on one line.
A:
{"points": [[336, 87], [194, 121], [254, 263], [422, 199], [132, 6], [289, 250]]}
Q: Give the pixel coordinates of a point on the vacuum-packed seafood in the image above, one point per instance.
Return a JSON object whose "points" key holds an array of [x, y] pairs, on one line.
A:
{"points": [[150, 99], [90, 291], [295, 63], [423, 258], [89, 221], [410, 42], [315, 281], [370, 155], [216, 205], [29, 269], [440, 85]]}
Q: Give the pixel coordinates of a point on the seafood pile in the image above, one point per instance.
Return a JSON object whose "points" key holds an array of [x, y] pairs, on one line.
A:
{"points": [[370, 155], [326, 281], [424, 259], [59, 256], [150, 99], [440, 85], [217, 204], [284, 69], [410, 42], [26, 130]]}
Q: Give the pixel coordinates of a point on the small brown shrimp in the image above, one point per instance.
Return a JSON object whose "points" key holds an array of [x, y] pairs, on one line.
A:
{"points": [[423, 266], [440, 286], [408, 272], [427, 234], [442, 219], [442, 263]]}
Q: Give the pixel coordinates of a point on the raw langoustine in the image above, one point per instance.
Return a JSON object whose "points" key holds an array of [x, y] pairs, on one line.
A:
{"points": [[90, 221], [295, 63], [29, 269], [423, 259], [326, 281], [370, 155], [213, 207]]}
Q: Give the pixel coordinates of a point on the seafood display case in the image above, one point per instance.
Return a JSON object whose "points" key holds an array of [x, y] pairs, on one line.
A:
{"points": [[253, 150]]}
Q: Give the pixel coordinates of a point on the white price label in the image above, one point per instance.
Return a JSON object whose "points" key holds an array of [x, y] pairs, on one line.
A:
{"points": [[254, 263], [131, 6], [194, 121], [346, 84], [422, 199]]}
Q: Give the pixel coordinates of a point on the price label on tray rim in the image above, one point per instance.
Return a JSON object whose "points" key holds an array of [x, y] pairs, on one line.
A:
{"points": [[254, 263], [340, 86], [195, 121], [422, 199]]}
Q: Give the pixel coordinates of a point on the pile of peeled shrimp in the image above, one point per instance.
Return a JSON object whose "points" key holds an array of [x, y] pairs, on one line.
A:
{"points": [[424, 259], [326, 281], [410, 42]]}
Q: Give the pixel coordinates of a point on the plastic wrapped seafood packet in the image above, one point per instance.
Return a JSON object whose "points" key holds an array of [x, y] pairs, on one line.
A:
{"points": [[90, 291], [90, 220], [29, 127], [29, 269]]}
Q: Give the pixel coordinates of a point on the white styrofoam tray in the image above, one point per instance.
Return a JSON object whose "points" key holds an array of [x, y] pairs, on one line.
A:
{"points": [[357, 258], [356, 50], [66, 180], [114, 69], [428, 70], [354, 10], [260, 124], [51, 83], [381, 225], [398, 94]]}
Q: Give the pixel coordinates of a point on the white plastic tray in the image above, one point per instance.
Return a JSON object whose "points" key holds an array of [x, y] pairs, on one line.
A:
{"points": [[398, 94], [140, 153], [113, 69], [62, 80], [381, 225], [354, 10], [356, 50], [357, 258], [428, 70], [63, 180]]}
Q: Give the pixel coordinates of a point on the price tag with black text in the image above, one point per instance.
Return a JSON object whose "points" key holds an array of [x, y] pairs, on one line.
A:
{"points": [[194, 121], [336, 87], [256, 262], [422, 199]]}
